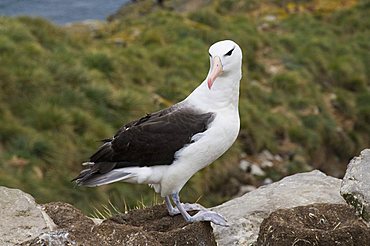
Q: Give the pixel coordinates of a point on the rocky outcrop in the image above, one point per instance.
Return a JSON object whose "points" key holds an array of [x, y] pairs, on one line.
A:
{"points": [[316, 224], [21, 218], [246, 213], [355, 187], [26, 223]]}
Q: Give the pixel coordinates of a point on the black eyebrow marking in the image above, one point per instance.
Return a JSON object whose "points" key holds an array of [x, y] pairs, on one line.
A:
{"points": [[230, 52]]}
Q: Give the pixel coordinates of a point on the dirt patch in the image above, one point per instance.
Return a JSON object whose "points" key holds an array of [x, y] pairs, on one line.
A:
{"points": [[150, 226], [316, 224], [165, 229]]}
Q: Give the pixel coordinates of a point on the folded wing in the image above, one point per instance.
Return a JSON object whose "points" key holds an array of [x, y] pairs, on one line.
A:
{"points": [[151, 140]]}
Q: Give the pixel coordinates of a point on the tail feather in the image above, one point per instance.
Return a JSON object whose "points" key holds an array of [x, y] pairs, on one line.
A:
{"points": [[91, 177], [102, 179]]}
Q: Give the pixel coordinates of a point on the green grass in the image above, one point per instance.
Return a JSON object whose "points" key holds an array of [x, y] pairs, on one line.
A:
{"points": [[63, 90]]}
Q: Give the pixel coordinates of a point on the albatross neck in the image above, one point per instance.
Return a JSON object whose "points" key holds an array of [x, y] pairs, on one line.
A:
{"points": [[223, 94]]}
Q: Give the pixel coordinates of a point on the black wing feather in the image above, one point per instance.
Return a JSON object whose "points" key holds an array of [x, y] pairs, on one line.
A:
{"points": [[148, 141], [153, 139]]}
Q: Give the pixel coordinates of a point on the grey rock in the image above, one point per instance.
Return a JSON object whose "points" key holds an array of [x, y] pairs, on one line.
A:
{"points": [[245, 189], [266, 155], [244, 165], [246, 213], [251, 167], [21, 218], [355, 187], [52, 238]]}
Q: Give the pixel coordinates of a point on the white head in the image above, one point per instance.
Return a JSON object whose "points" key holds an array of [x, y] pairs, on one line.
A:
{"points": [[221, 87], [226, 61]]}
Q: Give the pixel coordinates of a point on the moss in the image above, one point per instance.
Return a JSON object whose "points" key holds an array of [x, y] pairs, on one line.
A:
{"points": [[358, 205], [287, 82], [100, 62], [206, 17]]}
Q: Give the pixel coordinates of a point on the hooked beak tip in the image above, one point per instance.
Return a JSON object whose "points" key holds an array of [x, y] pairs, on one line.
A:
{"points": [[210, 82]]}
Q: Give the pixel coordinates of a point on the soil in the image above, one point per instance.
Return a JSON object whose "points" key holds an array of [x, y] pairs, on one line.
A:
{"points": [[316, 224], [150, 226]]}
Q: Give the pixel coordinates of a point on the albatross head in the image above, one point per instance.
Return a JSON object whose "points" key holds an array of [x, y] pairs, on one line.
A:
{"points": [[226, 61]]}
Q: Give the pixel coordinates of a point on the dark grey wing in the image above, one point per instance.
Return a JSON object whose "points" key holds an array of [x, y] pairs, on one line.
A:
{"points": [[144, 119], [156, 141], [151, 140]]}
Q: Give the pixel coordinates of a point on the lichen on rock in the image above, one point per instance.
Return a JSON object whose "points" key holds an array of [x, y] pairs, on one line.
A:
{"points": [[355, 188]]}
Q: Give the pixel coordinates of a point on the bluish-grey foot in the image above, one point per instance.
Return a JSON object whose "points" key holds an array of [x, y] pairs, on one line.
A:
{"points": [[187, 206], [207, 215], [202, 215]]}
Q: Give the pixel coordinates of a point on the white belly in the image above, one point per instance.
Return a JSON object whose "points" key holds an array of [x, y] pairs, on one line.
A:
{"points": [[208, 146]]}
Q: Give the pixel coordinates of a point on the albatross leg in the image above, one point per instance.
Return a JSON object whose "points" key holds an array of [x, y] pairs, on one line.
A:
{"points": [[187, 206], [170, 208], [203, 215]]}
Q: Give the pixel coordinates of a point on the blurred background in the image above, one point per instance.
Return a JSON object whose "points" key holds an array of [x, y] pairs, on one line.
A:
{"points": [[75, 75]]}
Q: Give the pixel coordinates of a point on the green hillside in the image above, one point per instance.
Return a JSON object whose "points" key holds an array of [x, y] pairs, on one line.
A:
{"points": [[305, 92]]}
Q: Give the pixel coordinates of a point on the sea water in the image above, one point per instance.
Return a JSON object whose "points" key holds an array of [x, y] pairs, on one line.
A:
{"points": [[62, 11]]}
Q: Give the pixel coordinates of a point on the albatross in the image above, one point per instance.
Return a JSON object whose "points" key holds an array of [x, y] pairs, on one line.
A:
{"points": [[166, 148]]}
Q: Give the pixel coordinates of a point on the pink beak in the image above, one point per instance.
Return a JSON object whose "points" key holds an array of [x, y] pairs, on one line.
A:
{"points": [[216, 71]]}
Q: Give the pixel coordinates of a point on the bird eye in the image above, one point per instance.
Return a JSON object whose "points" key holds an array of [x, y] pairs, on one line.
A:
{"points": [[230, 52], [210, 55]]}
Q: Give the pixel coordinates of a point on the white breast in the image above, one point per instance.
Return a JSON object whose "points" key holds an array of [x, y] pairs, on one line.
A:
{"points": [[208, 146]]}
